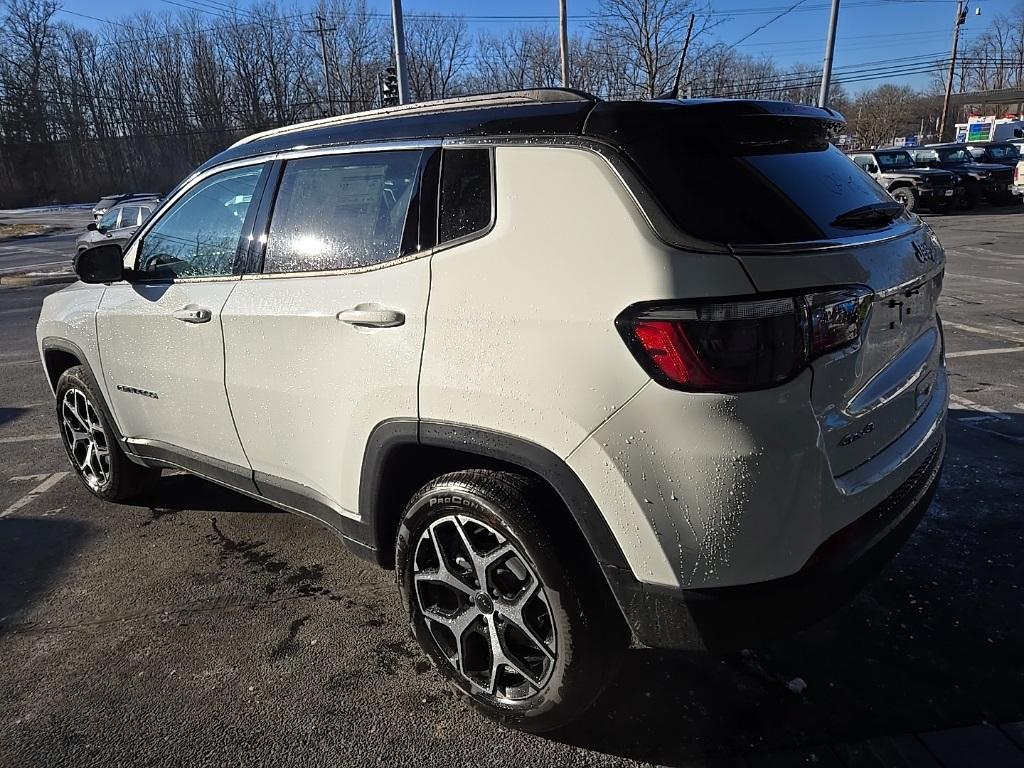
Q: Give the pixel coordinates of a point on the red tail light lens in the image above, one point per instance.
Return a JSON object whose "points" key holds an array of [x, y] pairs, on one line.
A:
{"points": [[742, 345]]}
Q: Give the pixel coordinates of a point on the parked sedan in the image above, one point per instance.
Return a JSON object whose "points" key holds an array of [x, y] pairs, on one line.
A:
{"points": [[118, 224]]}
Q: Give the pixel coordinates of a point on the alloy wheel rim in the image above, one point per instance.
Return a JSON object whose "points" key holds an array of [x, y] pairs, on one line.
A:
{"points": [[485, 608], [84, 436]]}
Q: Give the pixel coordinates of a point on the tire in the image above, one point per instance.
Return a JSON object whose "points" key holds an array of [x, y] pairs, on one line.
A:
{"points": [[908, 196], [91, 442], [970, 198], [567, 637]]}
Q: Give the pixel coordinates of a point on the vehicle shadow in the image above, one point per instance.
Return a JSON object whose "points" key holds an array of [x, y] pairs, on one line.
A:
{"points": [[1016, 209], [179, 491], [8, 415], [32, 553], [932, 643]]}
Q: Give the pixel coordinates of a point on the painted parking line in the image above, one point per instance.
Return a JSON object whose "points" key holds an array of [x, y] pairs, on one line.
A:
{"points": [[977, 352], [991, 413], [984, 331], [996, 280], [39, 490], [30, 438]]}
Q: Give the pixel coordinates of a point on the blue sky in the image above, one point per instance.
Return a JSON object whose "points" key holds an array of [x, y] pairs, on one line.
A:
{"points": [[893, 32]]}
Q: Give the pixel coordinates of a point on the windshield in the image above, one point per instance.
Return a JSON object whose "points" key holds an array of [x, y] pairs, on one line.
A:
{"points": [[889, 160], [955, 155]]}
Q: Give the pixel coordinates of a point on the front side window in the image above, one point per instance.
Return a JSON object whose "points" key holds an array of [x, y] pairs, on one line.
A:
{"points": [[341, 211], [199, 235], [958, 155], [891, 160], [465, 193]]}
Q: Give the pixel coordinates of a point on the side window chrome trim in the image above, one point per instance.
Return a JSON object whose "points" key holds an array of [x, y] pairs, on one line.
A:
{"points": [[337, 272], [348, 149]]}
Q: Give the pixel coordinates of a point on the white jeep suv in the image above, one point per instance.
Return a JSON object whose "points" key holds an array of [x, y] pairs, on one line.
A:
{"points": [[582, 372]]}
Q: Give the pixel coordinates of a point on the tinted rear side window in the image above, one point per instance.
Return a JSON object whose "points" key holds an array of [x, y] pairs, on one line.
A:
{"points": [[762, 198], [742, 173], [341, 211], [465, 193]]}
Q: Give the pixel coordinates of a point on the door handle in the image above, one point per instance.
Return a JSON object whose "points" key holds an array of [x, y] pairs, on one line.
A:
{"points": [[372, 316], [193, 314]]}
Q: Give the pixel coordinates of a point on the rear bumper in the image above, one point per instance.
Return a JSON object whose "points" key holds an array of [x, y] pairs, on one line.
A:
{"points": [[729, 618]]}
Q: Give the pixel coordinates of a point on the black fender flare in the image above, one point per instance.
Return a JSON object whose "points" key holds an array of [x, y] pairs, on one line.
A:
{"points": [[394, 434], [63, 345]]}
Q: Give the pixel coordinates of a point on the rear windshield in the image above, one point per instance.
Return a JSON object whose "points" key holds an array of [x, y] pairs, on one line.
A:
{"points": [[788, 193]]}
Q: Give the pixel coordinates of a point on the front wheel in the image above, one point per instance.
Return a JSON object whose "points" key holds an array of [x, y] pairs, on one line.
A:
{"points": [[511, 612], [908, 196], [91, 443]]}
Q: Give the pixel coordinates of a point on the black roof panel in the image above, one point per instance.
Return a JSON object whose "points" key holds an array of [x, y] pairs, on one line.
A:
{"points": [[547, 112]]}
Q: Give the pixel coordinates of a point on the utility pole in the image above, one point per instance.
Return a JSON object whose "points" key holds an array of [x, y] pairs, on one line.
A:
{"points": [[404, 97], [961, 17], [328, 84], [563, 33], [830, 49]]}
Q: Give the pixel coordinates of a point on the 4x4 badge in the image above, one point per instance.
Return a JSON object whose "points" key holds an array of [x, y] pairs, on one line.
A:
{"points": [[925, 252]]}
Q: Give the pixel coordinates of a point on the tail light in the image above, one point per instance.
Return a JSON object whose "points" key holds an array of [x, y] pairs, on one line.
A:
{"points": [[735, 346], [1016, 170]]}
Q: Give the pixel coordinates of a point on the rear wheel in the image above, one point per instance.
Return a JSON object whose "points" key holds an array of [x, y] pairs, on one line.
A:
{"points": [[90, 441], [906, 195], [523, 629]]}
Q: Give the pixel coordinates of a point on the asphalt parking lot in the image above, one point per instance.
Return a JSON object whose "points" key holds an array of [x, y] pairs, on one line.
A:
{"points": [[202, 628]]}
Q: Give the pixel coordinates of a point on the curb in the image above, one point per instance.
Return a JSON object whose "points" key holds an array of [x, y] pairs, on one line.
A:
{"points": [[23, 281]]}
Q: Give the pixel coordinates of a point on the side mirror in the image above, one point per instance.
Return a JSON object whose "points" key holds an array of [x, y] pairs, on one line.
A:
{"points": [[871, 168], [102, 264], [91, 226]]}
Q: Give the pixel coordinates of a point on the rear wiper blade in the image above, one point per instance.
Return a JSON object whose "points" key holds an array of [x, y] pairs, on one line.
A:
{"points": [[878, 214]]}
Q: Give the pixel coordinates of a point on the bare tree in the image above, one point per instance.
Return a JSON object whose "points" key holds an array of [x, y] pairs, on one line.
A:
{"points": [[439, 51], [652, 32]]}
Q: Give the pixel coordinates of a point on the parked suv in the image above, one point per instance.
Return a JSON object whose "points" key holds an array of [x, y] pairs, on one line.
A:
{"points": [[109, 201], [515, 347], [894, 169], [117, 225], [980, 181]]}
